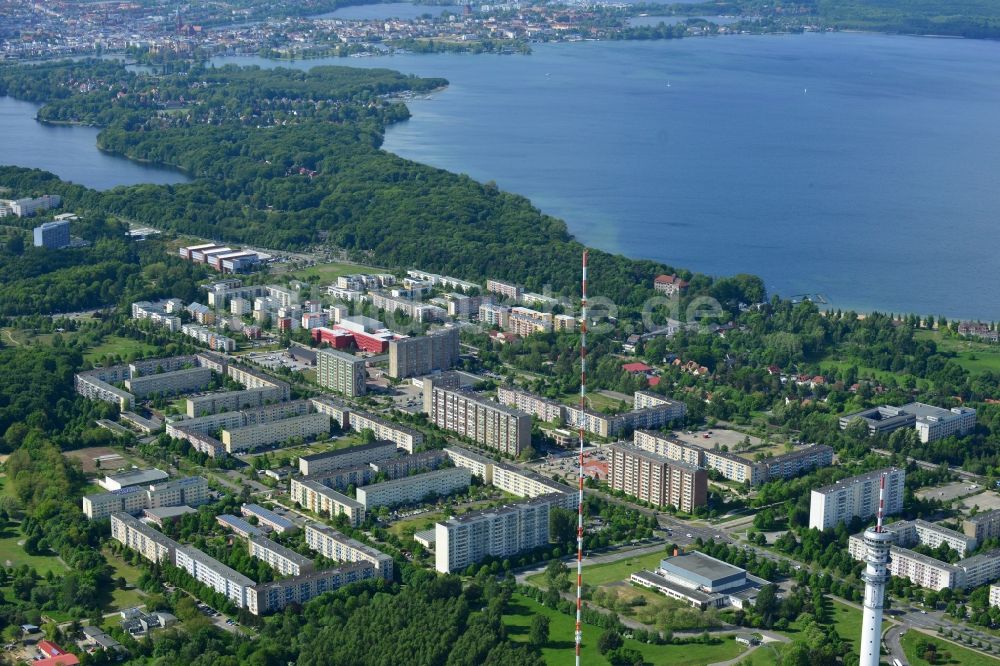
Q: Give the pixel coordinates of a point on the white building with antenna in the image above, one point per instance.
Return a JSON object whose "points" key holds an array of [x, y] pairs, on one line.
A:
{"points": [[876, 575]]}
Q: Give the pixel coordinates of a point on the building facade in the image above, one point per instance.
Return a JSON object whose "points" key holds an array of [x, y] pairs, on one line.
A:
{"points": [[856, 496], [341, 372], [485, 422], [656, 479]]}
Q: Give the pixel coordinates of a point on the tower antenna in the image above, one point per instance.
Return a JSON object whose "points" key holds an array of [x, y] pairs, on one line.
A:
{"points": [[878, 544], [583, 405]]}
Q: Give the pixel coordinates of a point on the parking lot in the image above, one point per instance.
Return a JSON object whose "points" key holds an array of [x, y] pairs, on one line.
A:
{"points": [[708, 439], [985, 501], [272, 360], [949, 491]]}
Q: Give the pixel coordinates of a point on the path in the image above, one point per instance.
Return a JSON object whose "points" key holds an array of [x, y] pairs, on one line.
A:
{"points": [[11, 338]]}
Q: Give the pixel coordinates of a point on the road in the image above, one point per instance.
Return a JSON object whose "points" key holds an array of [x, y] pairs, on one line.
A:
{"points": [[892, 644]]}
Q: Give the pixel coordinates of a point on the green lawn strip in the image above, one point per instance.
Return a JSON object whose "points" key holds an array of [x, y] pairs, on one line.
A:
{"points": [[425, 521], [959, 655], [12, 554], [561, 628], [331, 271], [610, 572], [123, 347]]}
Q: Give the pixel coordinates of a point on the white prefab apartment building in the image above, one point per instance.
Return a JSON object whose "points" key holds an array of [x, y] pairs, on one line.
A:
{"points": [[218, 576], [472, 537], [331, 544], [856, 496], [412, 489]]}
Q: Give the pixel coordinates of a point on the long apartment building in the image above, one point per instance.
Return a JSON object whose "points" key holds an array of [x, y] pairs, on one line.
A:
{"points": [[729, 465], [231, 401], [247, 438], [273, 596], [856, 496], [504, 532], [485, 422], [931, 573], [541, 408], [316, 497], [656, 479], [907, 533], [789, 465], [169, 383], [283, 560], [421, 312], [342, 478], [505, 289], [395, 468], [614, 425], [333, 545], [511, 478], [242, 591], [189, 491], [353, 456], [138, 536], [402, 436], [334, 407], [268, 519], [422, 355], [413, 489], [341, 372]]}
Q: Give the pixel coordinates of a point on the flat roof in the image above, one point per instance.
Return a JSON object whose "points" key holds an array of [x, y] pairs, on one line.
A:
{"points": [[702, 565], [660, 581], [860, 478], [137, 477]]}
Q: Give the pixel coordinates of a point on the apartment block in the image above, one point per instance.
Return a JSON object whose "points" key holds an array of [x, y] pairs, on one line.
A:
{"points": [[333, 407], [274, 432], [273, 596], [341, 372], [504, 532], [792, 464], [541, 408], [735, 467], [98, 384], [983, 526], [189, 491], [476, 463], [614, 425], [395, 468], [492, 314], [231, 401], [664, 445], [856, 496], [317, 498], [645, 399], [238, 526], [656, 479], [413, 489], [525, 321], [505, 289], [994, 595], [485, 422], [422, 355], [909, 533], [283, 560], [331, 544], [269, 519], [168, 383], [527, 483], [146, 541], [216, 575], [344, 477], [319, 463], [402, 436], [415, 310]]}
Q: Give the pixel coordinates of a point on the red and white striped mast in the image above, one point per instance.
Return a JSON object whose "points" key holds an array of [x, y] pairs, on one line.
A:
{"points": [[580, 424]]}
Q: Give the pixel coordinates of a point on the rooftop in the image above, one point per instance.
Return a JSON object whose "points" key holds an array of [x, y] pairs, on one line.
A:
{"points": [[860, 478], [702, 565], [135, 477]]}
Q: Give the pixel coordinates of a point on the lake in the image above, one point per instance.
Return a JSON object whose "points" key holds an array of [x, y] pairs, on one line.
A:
{"points": [[856, 166], [68, 151]]}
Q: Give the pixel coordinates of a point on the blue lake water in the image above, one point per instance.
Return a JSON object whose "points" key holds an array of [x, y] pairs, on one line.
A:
{"points": [[70, 152], [862, 167]]}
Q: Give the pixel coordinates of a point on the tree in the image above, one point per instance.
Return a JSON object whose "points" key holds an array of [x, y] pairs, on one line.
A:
{"points": [[538, 633], [608, 641], [767, 605]]}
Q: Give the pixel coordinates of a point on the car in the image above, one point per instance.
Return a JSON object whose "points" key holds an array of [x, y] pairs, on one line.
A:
{"points": [[689, 536]]}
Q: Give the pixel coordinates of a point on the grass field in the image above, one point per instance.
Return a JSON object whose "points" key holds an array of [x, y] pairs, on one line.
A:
{"points": [[976, 357], [596, 401], [560, 646], [325, 273], [13, 555], [425, 521], [959, 655], [847, 620], [123, 347], [611, 572]]}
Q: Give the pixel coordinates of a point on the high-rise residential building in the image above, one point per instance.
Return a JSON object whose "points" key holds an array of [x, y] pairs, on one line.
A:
{"points": [[483, 421], [471, 537], [344, 373], [53, 235], [656, 479], [422, 355], [856, 496]]}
